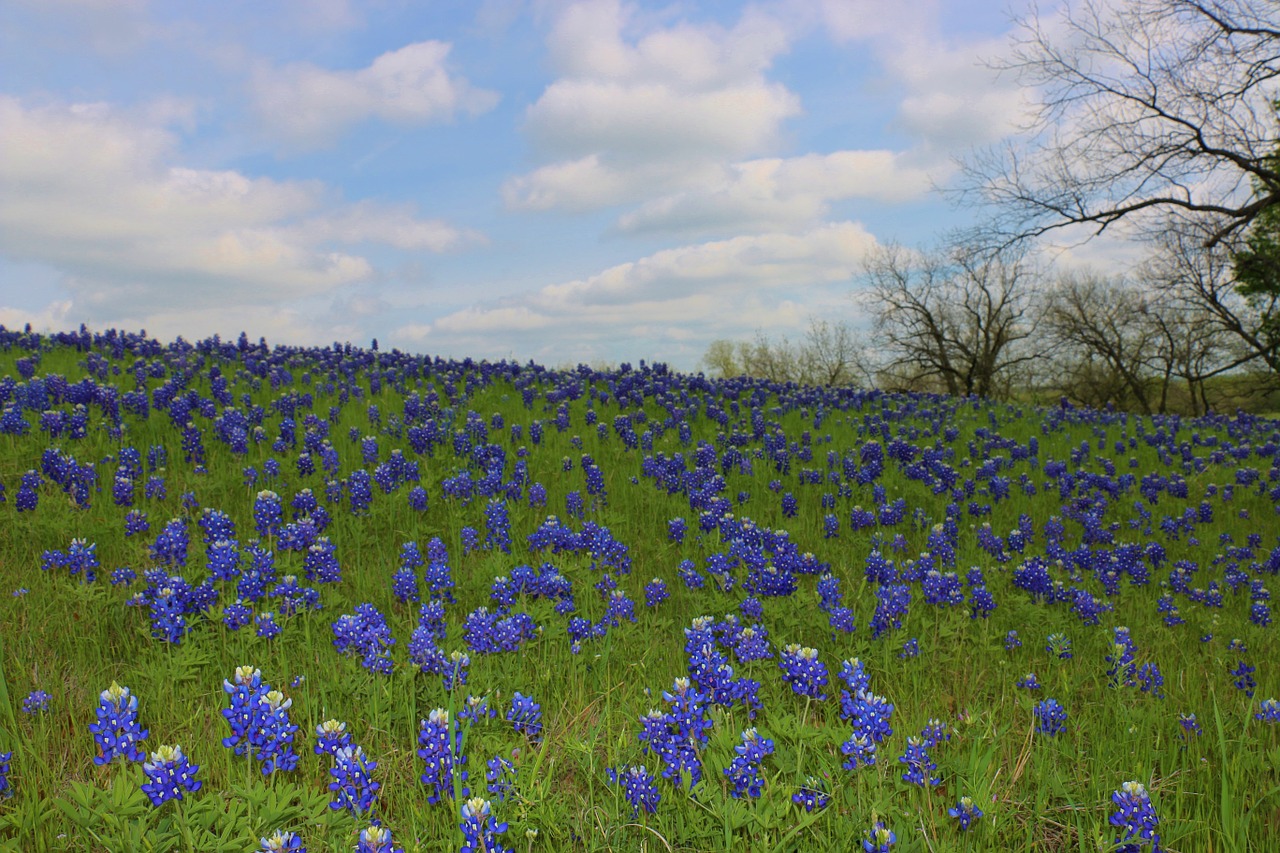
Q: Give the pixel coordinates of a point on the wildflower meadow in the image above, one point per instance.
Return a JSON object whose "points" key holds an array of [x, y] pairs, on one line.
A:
{"points": [[263, 598]]}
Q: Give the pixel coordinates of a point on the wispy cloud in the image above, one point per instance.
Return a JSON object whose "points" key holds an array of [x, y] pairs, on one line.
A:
{"points": [[719, 287], [103, 198], [306, 107]]}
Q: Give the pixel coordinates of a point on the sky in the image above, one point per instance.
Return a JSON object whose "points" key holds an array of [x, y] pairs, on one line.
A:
{"points": [[567, 181]]}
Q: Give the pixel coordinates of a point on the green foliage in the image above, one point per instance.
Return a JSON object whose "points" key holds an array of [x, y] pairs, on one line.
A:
{"points": [[72, 639]]}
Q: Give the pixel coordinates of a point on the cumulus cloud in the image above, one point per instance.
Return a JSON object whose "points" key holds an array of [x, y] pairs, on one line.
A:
{"points": [[307, 106], [100, 197], [780, 193], [675, 296], [632, 115]]}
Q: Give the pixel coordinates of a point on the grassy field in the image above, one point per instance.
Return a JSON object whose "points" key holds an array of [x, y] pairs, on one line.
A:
{"points": [[911, 533]]}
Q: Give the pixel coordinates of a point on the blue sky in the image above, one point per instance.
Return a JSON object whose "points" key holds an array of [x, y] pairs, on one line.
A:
{"points": [[564, 181]]}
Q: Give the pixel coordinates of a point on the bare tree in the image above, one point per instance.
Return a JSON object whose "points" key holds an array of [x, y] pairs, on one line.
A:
{"points": [[832, 355], [1148, 108], [1200, 278], [958, 317], [1125, 341], [1105, 340]]}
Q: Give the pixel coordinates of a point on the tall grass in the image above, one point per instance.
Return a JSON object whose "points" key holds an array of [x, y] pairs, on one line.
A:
{"points": [[72, 638]]}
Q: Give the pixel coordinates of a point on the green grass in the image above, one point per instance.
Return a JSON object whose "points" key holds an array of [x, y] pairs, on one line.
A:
{"points": [[1218, 792]]}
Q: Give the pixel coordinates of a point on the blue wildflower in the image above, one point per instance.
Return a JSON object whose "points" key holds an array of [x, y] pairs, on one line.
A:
{"points": [[639, 787], [744, 770], [526, 717], [480, 829], [965, 812], [352, 787], [116, 731], [1051, 718], [803, 671], [376, 839], [879, 838], [36, 702], [1136, 817], [282, 841], [169, 774], [812, 795]]}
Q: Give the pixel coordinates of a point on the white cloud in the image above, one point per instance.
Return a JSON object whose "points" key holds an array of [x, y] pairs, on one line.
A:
{"points": [[397, 226], [307, 106], [637, 115], [690, 293], [56, 316], [100, 198], [850, 20], [780, 193]]}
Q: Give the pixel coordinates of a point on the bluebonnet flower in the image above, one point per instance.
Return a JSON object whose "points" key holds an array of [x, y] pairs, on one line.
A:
{"points": [[500, 776], [169, 774], [28, 498], [1011, 641], [639, 787], [266, 626], [744, 770], [367, 634], [1244, 678], [352, 787], [268, 514], [1051, 718], [242, 714], [965, 811], [812, 795], [1059, 644], [170, 547], [934, 733], [855, 679], [136, 523], [892, 603], [803, 671], [331, 736], [168, 621], [526, 717], [236, 615], [1136, 817], [870, 715], [272, 734], [879, 838], [480, 829], [376, 839], [1150, 680], [476, 709], [920, 766], [860, 749], [6, 788], [1268, 711], [116, 731], [456, 668], [1123, 670], [37, 701], [910, 649], [440, 755], [282, 841], [655, 592], [1190, 726], [1030, 682], [751, 643]]}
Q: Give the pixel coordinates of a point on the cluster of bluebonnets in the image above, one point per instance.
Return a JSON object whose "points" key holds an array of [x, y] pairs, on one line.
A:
{"points": [[258, 564]]}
